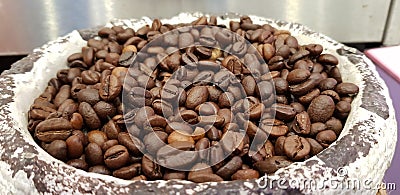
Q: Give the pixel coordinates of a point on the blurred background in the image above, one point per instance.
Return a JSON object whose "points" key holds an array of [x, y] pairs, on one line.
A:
{"points": [[27, 24]]}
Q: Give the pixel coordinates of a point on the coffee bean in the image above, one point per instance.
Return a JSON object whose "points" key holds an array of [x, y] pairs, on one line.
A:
{"points": [[154, 141], [108, 144], [74, 146], [90, 77], [168, 175], [179, 136], [185, 40], [326, 137], [53, 129], [245, 174], [327, 84], [230, 168], [272, 164], [335, 96], [296, 148], [306, 99], [321, 108], [346, 89], [315, 146], [301, 123], [284, 112], [90, 96], [314, 49], [127, 172], [335, 125], [62, 95], [89, 116], [317, 127], [151, 169], [133, 144], [94, 154], [110, 88], [167, 155], [281, 85], [327, 59], [58, 149], [104, 110], [116, 157], [196, 96]]}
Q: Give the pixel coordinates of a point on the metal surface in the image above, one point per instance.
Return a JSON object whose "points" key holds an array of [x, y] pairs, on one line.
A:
{"points": [[392, 33], [27, 24]]}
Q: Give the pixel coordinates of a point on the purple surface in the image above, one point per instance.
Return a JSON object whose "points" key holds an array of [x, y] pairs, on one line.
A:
{"points": [[392, 174]]}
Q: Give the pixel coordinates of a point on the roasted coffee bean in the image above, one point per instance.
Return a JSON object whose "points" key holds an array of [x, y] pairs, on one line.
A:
{"points": [[90, 96], [89, 116], [74, 146], [151, 169], [297, 107], [127, 172], [346, 89], [201, 146], [335, 125], [232, 142], [272, 164], [207, 108], [315, 146], [111, 129], [110, 88], [314, 49], [335, 96], [301, 123], [306, 99], [116, 157], [284, 112], [167, 155], [108, 144], [321, 108], [127, 58], [296, 148], [317, 127], [93, 154], [326, 137], [335, 73], [154, 141], [179, 136], [168, 175], [202, 177], [90, 77], [97, 137], [327, 59], [230, 168], [62, 95], [245, 174], [133, 144], [327, 84], [58, 149], [189, 116], [185, 40], [196, 96], [104, 110], [53, 129], [281, 85]]}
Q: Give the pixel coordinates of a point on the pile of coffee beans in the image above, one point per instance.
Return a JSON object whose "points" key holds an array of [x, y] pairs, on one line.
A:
{"points": [[200, 102]]}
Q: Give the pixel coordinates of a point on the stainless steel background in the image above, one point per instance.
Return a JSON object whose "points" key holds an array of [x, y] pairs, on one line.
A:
{"points": [[26, 24]]}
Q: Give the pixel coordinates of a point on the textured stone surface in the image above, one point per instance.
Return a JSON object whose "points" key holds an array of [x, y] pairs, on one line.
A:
{"points": [[364, 149]]}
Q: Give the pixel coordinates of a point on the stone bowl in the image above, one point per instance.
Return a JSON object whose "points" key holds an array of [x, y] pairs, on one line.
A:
{"points": [[362, 153]]}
